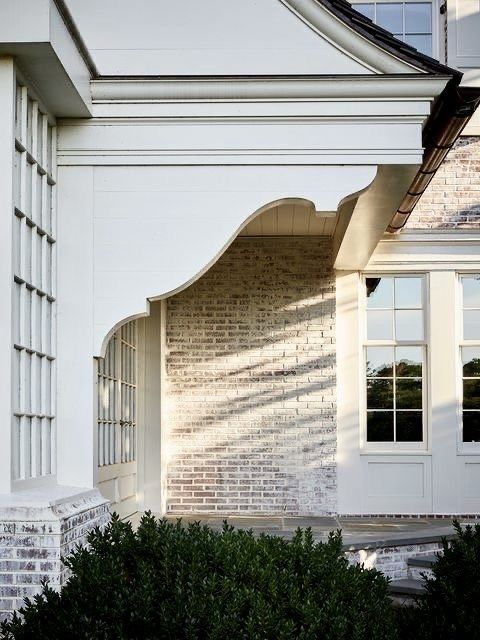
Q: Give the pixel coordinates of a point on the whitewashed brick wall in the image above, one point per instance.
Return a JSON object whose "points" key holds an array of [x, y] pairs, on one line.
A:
{"points": [[393, 561], [251, 382], [33, 539], [452, 200]]}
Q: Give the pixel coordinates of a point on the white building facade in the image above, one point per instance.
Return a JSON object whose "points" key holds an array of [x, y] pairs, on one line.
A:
{"points": [[238, 276]]}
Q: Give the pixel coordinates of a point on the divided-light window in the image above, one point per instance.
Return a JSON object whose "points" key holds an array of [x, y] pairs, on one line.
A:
{"points": [[395, 356], [34, 295], [410, 22], [117, 395], [470, 355]]}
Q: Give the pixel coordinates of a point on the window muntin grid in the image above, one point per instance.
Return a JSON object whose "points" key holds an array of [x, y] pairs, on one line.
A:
{"points": [[117, 390], [394, 357], [33, 317], [470, 357], [410, 22]]}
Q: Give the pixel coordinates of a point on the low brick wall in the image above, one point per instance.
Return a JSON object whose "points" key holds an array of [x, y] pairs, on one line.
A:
{"points": [[251, 385], [392, 560], [34, 539]]}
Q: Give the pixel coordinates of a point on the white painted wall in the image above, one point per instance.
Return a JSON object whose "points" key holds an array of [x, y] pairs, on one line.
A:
{"points": [[463, 45], [443, 478], [212, 37], [76, 370]]}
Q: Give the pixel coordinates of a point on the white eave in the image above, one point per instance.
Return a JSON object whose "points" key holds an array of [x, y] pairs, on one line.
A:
{"points": [[38, 37]]}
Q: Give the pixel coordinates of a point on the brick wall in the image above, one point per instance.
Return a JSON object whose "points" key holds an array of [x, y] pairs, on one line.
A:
{"points": [[452, 199], [34, 538], [251, 382], [392, 561]]}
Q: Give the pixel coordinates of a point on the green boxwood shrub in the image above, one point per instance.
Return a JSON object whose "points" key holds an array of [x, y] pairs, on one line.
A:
{"points": [[450, 608], [167, 580]]}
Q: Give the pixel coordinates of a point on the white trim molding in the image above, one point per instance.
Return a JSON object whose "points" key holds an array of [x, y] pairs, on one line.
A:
{"points": [[266, 88]]}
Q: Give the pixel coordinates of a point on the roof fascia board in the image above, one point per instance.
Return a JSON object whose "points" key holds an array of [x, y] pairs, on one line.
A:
{"points": [[274, 88], [339, 34]]}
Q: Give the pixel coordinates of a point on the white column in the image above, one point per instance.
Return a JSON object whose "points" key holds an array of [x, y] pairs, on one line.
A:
{"points": [[349, 463], [443, 397], [7, 106], [76, 422], [151, 451]]}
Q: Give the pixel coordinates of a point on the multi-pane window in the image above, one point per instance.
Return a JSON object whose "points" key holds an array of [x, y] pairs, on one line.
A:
{"points": [[117, 386], [410, 22], [395, 359], [33, 321], [470, 355]]}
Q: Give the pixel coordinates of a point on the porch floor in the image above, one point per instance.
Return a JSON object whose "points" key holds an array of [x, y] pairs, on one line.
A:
{"points": [[358, 533]]}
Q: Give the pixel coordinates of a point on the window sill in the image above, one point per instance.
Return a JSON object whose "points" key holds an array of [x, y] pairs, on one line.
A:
{"points": [[396, 452]]}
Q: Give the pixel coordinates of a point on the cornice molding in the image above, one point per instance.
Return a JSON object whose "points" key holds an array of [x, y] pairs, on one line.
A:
{"points": [[268, 88]]}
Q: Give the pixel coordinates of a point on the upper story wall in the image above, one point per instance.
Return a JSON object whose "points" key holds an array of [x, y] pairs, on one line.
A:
{"points": [[212, 37]]}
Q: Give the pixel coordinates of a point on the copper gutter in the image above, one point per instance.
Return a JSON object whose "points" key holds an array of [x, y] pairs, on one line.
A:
{"points": [[450, 115]]}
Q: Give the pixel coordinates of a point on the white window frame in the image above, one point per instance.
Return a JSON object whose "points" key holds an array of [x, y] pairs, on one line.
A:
{"points": [[117, 422], [438, 37], [469, 448], [34, 386], [367, 447]]}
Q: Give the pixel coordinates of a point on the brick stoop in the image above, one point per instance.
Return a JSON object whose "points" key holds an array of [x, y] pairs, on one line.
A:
{"points": [[37, 529]]}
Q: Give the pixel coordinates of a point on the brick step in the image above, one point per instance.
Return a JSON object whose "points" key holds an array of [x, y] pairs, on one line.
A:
{"points": [[403, 592], [422, 561], [406, 587], [420, 566]]}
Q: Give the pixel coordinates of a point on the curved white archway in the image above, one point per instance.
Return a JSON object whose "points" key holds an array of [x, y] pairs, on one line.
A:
{"points": [[159, 229], [185, 285]]}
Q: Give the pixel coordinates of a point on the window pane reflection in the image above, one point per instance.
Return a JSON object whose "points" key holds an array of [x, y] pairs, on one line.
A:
{"points": [[380, 426], [368, 10], [379, 394], [471, 394], [379, 293], [422, 43], [408, 361], [418, 17], [471, 361], [380, 362], [409, 393], [471, 324], [380, 325], [409, 426], [390, 17], [471, 426], [408, 293], [409, 325], [471, 292]]}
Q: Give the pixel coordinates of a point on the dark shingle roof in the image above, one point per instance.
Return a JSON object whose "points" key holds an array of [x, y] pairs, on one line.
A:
{"points": [[383, 38], [450, 112]]}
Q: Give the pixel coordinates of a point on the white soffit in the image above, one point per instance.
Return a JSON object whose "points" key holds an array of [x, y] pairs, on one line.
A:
{"points": [[225, 37], [291, 220]]}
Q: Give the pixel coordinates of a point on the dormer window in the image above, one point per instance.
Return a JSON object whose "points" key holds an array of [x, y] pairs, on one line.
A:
{"points": [[410, 22]]}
